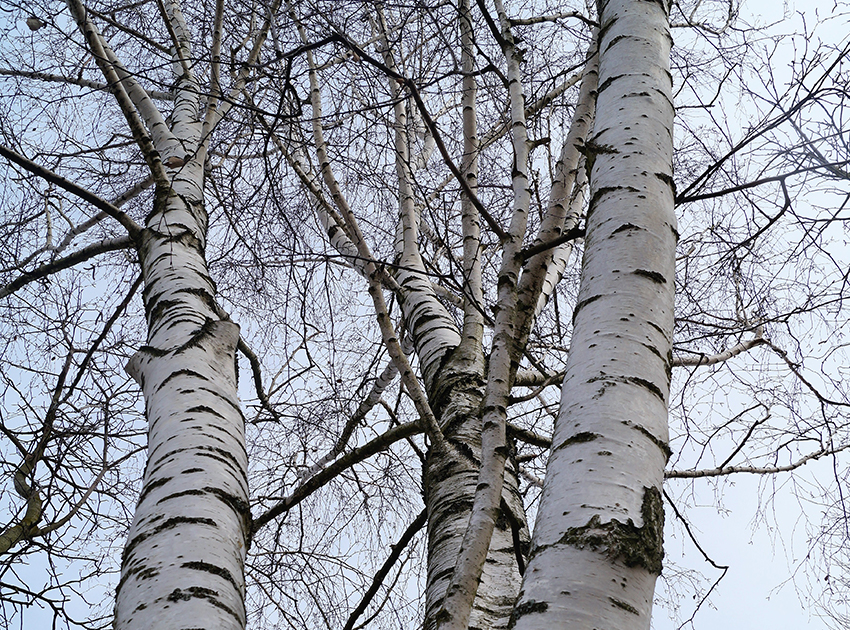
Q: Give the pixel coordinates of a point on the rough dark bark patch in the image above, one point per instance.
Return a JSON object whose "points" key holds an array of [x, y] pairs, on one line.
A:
{"points": [[634, 546]]}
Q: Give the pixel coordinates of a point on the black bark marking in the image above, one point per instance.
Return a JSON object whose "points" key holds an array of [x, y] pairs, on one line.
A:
{"points": [[634, 380], [582, 304], [153, 485], [205, 296], [183, 372], [661, 444], [652, 275], [183, 493], [211, 568], [624, 605], [205, 409], [658, 328], [526, 608], [648, 385], [205, 331], [667, 179], [154, 352], [601, 192], [654, 351], [616, 40], [200, 592], [578, 438], [157, 307], [223, 397], [626, 227], [169, 524], [607, 83]]}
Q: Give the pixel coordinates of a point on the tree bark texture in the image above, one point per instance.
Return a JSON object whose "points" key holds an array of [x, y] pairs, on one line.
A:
{"points": [[449, 483], [597, 546], [183, 563]]}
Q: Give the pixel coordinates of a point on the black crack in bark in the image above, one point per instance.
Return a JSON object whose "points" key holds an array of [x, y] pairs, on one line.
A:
{"points": [[578, 438], [627, 227]]}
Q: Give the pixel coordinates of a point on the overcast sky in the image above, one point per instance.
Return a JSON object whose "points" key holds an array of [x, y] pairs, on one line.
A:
{"points": [[760, 590]]}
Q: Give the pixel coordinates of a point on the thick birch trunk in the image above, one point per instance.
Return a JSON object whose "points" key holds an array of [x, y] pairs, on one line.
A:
{"points": [[597, 546], [183, 564], [184, 559]]}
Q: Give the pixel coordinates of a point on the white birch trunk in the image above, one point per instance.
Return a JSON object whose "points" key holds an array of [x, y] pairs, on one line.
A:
{"points": [[449, 484], [185, 552], [597, 545], [183, 564]]}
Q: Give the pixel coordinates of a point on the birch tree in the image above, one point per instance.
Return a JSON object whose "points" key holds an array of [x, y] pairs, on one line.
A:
{"points": [[424, 220], [598, 543]]}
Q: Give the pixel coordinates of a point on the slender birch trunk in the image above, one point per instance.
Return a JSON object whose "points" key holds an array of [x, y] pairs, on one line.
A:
{"points": [[459, 394], [597, 546]]}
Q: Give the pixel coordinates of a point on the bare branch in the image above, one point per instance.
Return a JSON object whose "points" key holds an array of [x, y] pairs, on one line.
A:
{"points": [[133, 228]]}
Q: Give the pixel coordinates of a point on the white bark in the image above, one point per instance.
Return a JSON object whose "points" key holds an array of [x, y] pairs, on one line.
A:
{"points": [[370, 270], [597, 543], [186, 548], [542, 272], [432, 328], [450, 482], [185, 554]]}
